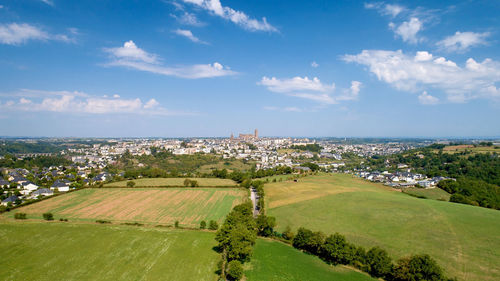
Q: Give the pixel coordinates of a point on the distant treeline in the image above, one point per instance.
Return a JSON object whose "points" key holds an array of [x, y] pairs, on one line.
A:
{"points": [[478, 175], [308, 147], [12, 147], [31, 162]]}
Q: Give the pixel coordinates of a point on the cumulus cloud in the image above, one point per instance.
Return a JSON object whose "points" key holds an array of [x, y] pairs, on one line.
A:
{"points": [[408, 30], [314, 64], [423, 71], [189, 35], [311, 89], [19, 33], [462, 41], [427, 99], [77, 102], [240, 18], [131, 56]]}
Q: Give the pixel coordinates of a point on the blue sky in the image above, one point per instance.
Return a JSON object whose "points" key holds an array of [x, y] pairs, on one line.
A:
{"points": [[186, 68]]}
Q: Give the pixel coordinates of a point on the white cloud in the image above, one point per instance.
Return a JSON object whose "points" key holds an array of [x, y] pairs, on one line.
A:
{"points": [[188, 34], [408, 30], [392, 10], [311, 89], [1, 6], [285, 109], [16, 34], [295, 84], [314, 64], [77, 102], [130, 51], [131, 56], [352, 93], [423, 71], [427, 99], [237, 17], [48, 2], [188, 19], [462, 41]]}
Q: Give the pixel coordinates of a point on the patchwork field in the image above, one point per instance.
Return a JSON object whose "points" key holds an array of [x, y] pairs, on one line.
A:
{"points": [[464, 239], [275, 261], [189, 206], [65, 251], [432, 193], [175, 182]]}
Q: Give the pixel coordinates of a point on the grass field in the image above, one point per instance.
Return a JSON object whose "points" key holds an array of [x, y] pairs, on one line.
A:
{"points": [[176, 182], [189, 206], [432, 193], [65, 251], [227, 164], [275, 261], [464, 239], [478, 149]]}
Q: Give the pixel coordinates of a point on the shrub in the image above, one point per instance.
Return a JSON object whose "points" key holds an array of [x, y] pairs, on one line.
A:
{"points": [[130, 183], [48, 216], [102, 221], [235, 270], [213, 225], [176, 224], [288, 234], [378, 262], [417, 268], [20, 216], [203, 224]]}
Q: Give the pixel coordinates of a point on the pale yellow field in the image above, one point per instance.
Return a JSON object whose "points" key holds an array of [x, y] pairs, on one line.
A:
{"points": [[189, 206], [307, 188], [166, 182]]}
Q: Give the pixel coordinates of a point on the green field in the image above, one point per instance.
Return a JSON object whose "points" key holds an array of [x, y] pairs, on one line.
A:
{"points": [[276, 261], [478, 149], [464, 239], [65, 251], [432, 193], [175, 182], [164, 206], [228, 164]]}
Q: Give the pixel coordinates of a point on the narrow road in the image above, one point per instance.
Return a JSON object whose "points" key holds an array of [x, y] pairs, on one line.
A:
{"points": [[255, 199]]}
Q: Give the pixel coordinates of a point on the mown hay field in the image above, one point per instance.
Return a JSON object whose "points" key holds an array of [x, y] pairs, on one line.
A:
{"points": [[464, 239], [174, 182], [164, 206], [66, 251], [272, 260]]}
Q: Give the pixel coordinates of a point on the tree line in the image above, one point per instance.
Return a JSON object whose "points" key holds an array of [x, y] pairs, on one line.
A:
{"points": [[335, 249]]}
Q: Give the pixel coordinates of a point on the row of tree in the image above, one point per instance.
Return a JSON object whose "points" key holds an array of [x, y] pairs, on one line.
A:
{"points": [[236, 238], [335, 249]]}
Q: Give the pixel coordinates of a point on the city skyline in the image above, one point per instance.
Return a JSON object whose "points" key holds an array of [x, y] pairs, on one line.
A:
{"points": [[207, 68]]}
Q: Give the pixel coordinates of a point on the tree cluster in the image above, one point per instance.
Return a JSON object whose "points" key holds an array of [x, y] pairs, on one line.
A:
{"points": [[335, 249], [236, 238]]}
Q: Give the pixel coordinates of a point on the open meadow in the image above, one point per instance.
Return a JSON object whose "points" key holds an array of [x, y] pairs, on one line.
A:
{"points": [[66, 251], [471, 148], [173, 182], [272, 260], [465, 240], [189, 206], [429, 193]]}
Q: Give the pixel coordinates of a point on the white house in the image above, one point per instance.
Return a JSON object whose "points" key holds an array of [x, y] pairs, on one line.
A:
{"points": [[29, 186]]}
